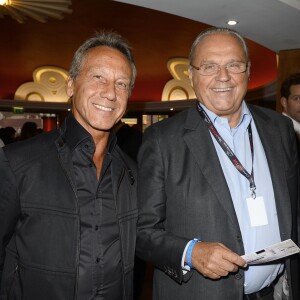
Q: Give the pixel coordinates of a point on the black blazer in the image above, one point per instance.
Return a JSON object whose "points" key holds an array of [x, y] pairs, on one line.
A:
{"points": [[182, 193], [39, 219]]}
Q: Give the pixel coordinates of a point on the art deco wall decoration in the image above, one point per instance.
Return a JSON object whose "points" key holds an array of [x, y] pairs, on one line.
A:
{"points": [[48, 85], [178, 88]]}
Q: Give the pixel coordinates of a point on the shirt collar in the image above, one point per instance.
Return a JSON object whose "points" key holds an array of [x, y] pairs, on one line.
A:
{"points": [[75, 135], [295, 123], [244, 121]]}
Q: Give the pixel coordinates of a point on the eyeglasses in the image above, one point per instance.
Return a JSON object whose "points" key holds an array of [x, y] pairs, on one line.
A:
{"points": [[234, 67]]}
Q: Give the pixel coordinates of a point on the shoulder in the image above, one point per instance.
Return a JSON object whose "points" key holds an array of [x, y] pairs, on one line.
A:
{"points": [[171, 125], [31, 149], [263, 112], [269, 115]]}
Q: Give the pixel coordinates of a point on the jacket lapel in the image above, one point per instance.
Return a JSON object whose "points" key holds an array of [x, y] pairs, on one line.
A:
{"points": [[272, 142], [64, 157], [117, 173], [200, 144]]}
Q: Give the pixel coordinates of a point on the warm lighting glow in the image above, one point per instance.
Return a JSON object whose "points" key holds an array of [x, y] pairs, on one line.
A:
{"points": [[232, 22], [39, 10]]}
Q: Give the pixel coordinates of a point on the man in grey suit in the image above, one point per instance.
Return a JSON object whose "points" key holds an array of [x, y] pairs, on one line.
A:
{"points": [[217, 181]]}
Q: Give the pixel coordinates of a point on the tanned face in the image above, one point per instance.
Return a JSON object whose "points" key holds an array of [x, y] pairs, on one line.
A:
{"points": [[291, 105], [100, 92]]}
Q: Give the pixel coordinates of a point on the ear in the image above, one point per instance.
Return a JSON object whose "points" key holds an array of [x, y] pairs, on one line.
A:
{"points": [[248, 69], [191, 77], [70, 87], [283, 102]]}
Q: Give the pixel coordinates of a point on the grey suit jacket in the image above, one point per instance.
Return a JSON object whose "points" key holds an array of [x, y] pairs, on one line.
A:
{"points": [[183, 194]]}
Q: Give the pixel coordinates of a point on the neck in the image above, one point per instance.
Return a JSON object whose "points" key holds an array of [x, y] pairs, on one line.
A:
{"points": [[101, 143]]}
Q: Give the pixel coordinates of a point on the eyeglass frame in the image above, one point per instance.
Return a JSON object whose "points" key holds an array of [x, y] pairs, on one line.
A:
{"points": [[247, 65]]}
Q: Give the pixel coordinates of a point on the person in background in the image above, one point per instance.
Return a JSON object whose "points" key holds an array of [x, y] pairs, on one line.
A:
{"points": [[68, 208], [10, 135], [7, 135], [28, 130], [216, 181], [290, 100], [129, 139]]}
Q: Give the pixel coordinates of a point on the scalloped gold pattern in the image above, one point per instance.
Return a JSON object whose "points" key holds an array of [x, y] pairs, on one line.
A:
{"points": [[49, 85], [178, 88]]}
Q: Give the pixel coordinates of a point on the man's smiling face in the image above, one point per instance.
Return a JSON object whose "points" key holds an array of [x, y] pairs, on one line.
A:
{"points": [[100, 92], [223, 92]]}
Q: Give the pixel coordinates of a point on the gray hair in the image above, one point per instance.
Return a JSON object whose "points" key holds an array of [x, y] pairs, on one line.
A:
{"points": [[103, 38], [212, 31]]}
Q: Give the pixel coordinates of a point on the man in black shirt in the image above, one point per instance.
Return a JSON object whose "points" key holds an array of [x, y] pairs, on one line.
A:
{"points": [[68, 198]]}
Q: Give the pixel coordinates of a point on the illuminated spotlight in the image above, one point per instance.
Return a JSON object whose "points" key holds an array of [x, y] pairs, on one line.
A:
{"points": [[171, 108], [232, 22]]}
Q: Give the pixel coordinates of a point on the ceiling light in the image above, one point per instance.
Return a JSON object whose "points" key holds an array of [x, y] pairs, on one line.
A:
{"points": [[232, 22], [39, 10]]}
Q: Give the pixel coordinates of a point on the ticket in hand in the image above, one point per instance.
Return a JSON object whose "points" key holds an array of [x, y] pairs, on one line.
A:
{"points": [[273, 252]]}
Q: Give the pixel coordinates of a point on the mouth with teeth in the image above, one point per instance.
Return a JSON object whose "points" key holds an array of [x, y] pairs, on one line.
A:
{"points": [[100, 107], [222, 89]]}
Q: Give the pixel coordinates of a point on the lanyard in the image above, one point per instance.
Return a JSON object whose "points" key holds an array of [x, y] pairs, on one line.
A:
{"points": [[228, 151]]}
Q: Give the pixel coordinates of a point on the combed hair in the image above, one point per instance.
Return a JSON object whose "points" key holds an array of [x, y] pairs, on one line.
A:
{"points": [[216, 30], [293, 79], [103, 38]]}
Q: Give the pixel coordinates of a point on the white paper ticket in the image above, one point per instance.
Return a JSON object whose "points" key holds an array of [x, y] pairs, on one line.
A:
{"points": [[273, 252]]}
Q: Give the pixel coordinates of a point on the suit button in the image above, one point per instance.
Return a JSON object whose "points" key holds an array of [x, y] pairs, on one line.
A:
{"points": [[238, 276], [97, 260]]}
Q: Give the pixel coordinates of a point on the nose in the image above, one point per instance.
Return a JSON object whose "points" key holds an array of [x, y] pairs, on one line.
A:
{"points": [[109, 91], [223, 74]]}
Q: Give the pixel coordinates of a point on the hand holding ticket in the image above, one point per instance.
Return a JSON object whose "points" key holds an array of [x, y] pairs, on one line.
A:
{"points": [[273, 252]]}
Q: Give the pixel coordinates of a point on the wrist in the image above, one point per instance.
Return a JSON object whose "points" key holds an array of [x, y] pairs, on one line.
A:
{"points": [[190, 250]]}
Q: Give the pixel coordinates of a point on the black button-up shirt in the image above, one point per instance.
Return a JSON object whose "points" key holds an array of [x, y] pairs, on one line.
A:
{"points": [[100, 269]]}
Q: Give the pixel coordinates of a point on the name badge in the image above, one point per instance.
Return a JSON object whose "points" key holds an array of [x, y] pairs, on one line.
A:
{"points": [[257, 211]]}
